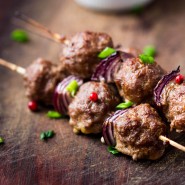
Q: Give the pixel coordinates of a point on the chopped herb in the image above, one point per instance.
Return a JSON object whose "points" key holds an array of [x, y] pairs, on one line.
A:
{"points": [[112, 150], [54, 115], [72, 87], [137, 10], [106, 52], [125, 105], [149, 50], [146, 59], [1, 140], [47, 134], [19, 35]]}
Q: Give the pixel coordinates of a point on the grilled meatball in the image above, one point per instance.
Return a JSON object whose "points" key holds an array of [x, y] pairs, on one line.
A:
{"points": [[136, 81], [135, 52], [136, 132], [41, 79], [173, 105], [80, 55], [88, 116]]}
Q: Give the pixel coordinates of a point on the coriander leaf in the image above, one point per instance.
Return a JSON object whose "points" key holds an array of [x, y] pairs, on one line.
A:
{"points": [[146, 59], [149, 50], [1, 140], [112, 150], [54, 115], [106, 52], [124, 105], [19, 35], [72, 87]]}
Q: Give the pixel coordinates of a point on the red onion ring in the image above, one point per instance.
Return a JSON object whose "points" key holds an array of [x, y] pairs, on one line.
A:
{"points": [[107, 67], [108, 127], [62, 98], [162, 83]]}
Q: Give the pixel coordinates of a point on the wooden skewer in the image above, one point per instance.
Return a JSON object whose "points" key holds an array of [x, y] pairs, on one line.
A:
{"points": [[54, 36], [173, 143], [13, 67]]}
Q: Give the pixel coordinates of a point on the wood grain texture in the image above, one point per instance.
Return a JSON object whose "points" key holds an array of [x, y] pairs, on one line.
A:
{"points": [[67, 158]]}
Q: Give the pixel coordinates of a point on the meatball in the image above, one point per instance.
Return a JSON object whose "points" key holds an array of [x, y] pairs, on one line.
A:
{"points": [[41, 79], [136, 81], [135, 52], [80, 54], [172, 102], [88, 116], [136, 132]]}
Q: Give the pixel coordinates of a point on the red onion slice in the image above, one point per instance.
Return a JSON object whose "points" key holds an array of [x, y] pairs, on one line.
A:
{"points": [[108, 127], [62, 98], [105, 70], [162, 83]]}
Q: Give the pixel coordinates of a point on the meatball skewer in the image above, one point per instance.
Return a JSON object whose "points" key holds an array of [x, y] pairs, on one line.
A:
{"points": [[40, 79], [137, 132], [79, 55]]}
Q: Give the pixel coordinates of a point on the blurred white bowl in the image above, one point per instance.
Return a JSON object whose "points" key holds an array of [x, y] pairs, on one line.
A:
{"points": [[111, 5]]}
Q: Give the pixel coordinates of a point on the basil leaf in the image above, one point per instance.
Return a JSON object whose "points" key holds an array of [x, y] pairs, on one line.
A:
{"points": [[124, 105], [19, 35], [72, 87], [112, 150], [54, 115], [146, 59], [149, 50], [106, 52]]}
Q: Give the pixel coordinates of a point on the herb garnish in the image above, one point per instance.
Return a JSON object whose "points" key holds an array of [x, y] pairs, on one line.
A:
{"points": [[47, 134], [106, 52], [149, 50], [72, 87], [54, 115], [19, 35], [146, 59], [1, 140], [124, 105], [112, 150]]}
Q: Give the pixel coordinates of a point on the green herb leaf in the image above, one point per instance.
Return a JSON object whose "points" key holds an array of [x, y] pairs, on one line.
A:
{"points": [[19, 35], [137, 10], [72, 87], [1, 140], [124, 105], [47, 134], [54, 115], [112, 150], [106, 52], [149, 50], [146, 59]]}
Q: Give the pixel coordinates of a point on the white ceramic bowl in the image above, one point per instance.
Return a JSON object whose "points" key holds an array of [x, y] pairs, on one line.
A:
{"points": [[111, 5]]}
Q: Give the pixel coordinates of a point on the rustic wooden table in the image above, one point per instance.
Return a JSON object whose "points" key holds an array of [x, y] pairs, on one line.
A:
{"points": [[67, 158]]}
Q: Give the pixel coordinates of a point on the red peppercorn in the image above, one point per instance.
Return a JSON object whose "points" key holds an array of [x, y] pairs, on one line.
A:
{"points": [[179, 79], [94, 97], [32, 105]]}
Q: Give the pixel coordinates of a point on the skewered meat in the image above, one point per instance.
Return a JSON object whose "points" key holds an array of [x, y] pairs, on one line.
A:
{"points": [[170, 97], [87, 114], [80, 55], [136, 81], [135, 52], [41, 78], [136, 132]]}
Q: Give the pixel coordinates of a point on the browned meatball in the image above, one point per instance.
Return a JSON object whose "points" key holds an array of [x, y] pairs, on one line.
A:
{"points": [[172, 102], [80, 55], [137, 133], [41, 79], [88, 116], [136, 81]]}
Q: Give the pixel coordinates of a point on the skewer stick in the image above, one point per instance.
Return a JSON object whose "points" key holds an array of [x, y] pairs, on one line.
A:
{"points": [[54, 36], [13, 67], [173, 143]]}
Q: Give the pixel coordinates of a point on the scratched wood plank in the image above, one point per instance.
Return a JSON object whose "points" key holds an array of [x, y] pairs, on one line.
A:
{"points": [[67, 158]]}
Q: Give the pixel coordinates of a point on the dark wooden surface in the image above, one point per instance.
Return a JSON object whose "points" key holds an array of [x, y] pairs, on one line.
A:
{"points": [[67, 158]]}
